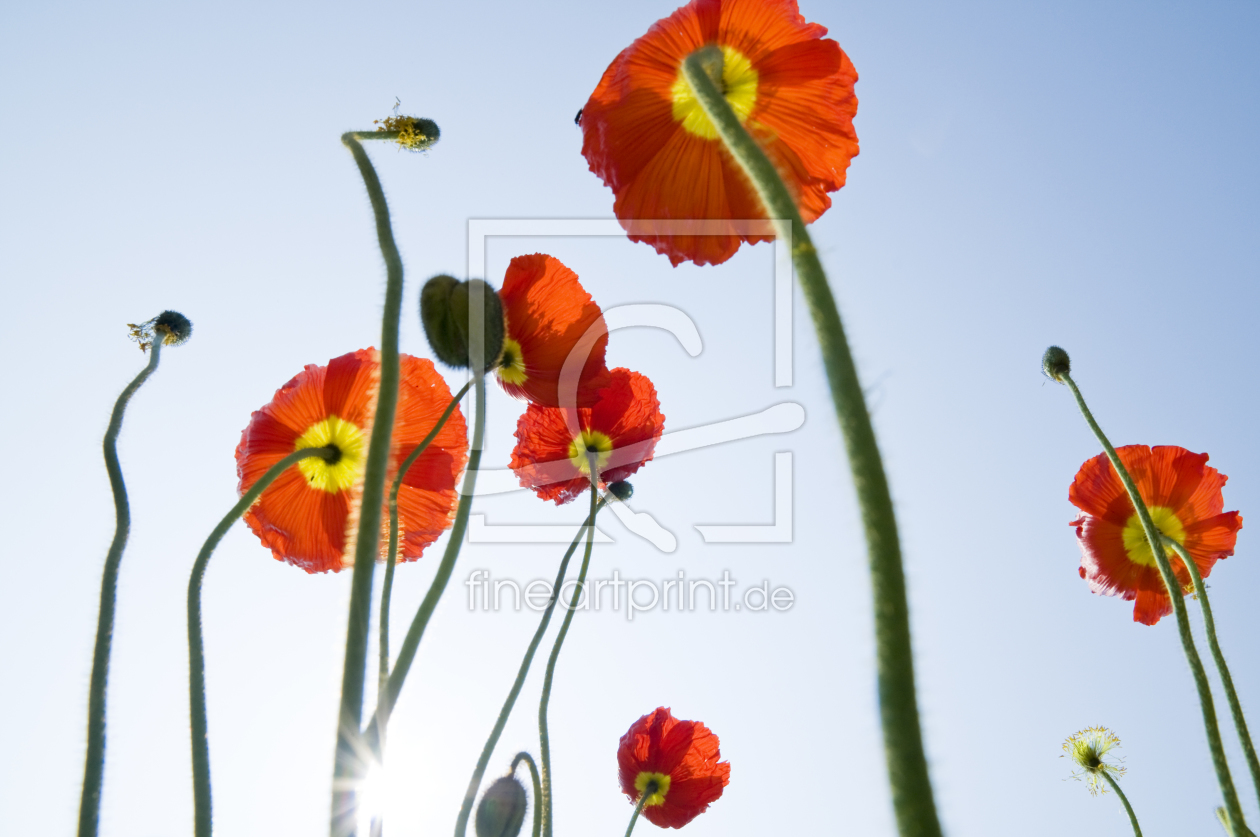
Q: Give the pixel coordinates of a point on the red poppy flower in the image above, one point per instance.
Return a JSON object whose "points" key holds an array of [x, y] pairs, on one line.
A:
{"points": [[1184, 498], [554, 447], [550, 319], [308, 515], [646, 135], [680, 758]]}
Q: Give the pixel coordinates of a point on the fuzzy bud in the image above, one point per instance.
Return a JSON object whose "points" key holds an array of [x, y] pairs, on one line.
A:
{"points": [[502, 809], [621, 489], [445, 315], [415, 133], [170, 327], [1056, 363]]}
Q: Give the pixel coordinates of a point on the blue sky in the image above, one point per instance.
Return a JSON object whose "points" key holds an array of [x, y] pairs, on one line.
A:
{"points": [[1033, 173]]}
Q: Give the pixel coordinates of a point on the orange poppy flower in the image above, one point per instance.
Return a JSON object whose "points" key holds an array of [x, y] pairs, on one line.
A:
{"points": [[307, 517], [550, 318], [677, 761], [646, 135], [554, 447], [1183, 495]]}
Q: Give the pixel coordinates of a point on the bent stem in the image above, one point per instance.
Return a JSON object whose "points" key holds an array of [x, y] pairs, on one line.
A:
{"points": [[898, 706], [348, 766], [1154, 538], [1115, 786], [470, 795], [387, 586], [94, 763], [375, 733], [202, 810], [533, 774], [544, 740], [1231, 695]]}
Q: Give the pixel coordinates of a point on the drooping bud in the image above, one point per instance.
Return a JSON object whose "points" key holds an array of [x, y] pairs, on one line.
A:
{"points": [[1055, 363], [445, 312], [621, 489], [171, 327], [415, 133], [502, 809]]}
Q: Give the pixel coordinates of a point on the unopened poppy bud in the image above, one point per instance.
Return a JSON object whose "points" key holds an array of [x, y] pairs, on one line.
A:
{"points": [[445, 314], [1056, 363], [415, 133], [621, 489], [171, 327], [502, 809]]}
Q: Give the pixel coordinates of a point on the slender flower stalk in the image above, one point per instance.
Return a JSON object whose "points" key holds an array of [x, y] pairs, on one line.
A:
{"points": [[899, 714], [544, 740], [638, 806], [1115, 786], [533, 774], [375, 734], [202, 809], [1154, 538], [387, 586], [1231, 695], [348, 765], [470, 795], [94, 764]]}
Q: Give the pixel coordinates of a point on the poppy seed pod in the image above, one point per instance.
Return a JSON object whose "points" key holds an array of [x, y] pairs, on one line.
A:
{"points": [[1055, 363], [445, 314], [502, 809]]}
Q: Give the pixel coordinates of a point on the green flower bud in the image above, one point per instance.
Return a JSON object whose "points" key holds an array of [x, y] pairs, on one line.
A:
{"points": [[621, 489], [171, 327], [502, 809], [1056, 363], [445, 315]]}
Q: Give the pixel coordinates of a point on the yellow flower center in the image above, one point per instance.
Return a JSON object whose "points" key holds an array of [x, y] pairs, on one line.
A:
{"points": [[645, 778], [1135, 543], [511, 368], [347, 438], [739, 86], [590, 443]]}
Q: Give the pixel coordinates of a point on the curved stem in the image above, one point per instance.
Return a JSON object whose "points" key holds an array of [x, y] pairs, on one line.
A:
{"points": [[544, 739], [1115, 786], [94, 763], [470, 795], [348, 766], [1227, 680], [202, 811], [375, 733], [1153, 537], [533, 774], [898, 706], [387, 587]]}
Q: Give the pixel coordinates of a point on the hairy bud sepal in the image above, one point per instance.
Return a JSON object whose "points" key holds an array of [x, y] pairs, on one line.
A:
{"points": [[502, 809], [1055, 363], [415, 133], [621, 489], [171, 327], [445, 312]]}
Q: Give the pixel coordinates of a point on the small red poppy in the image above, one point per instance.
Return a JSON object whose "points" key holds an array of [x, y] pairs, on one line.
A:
{"points": [[308, 515], [676, 762], [1183, 495], [646, 136], [554, 330], [555, 448]]}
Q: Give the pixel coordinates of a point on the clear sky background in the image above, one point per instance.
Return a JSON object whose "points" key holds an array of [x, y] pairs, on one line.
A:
{"points": [[1074, 173]]}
